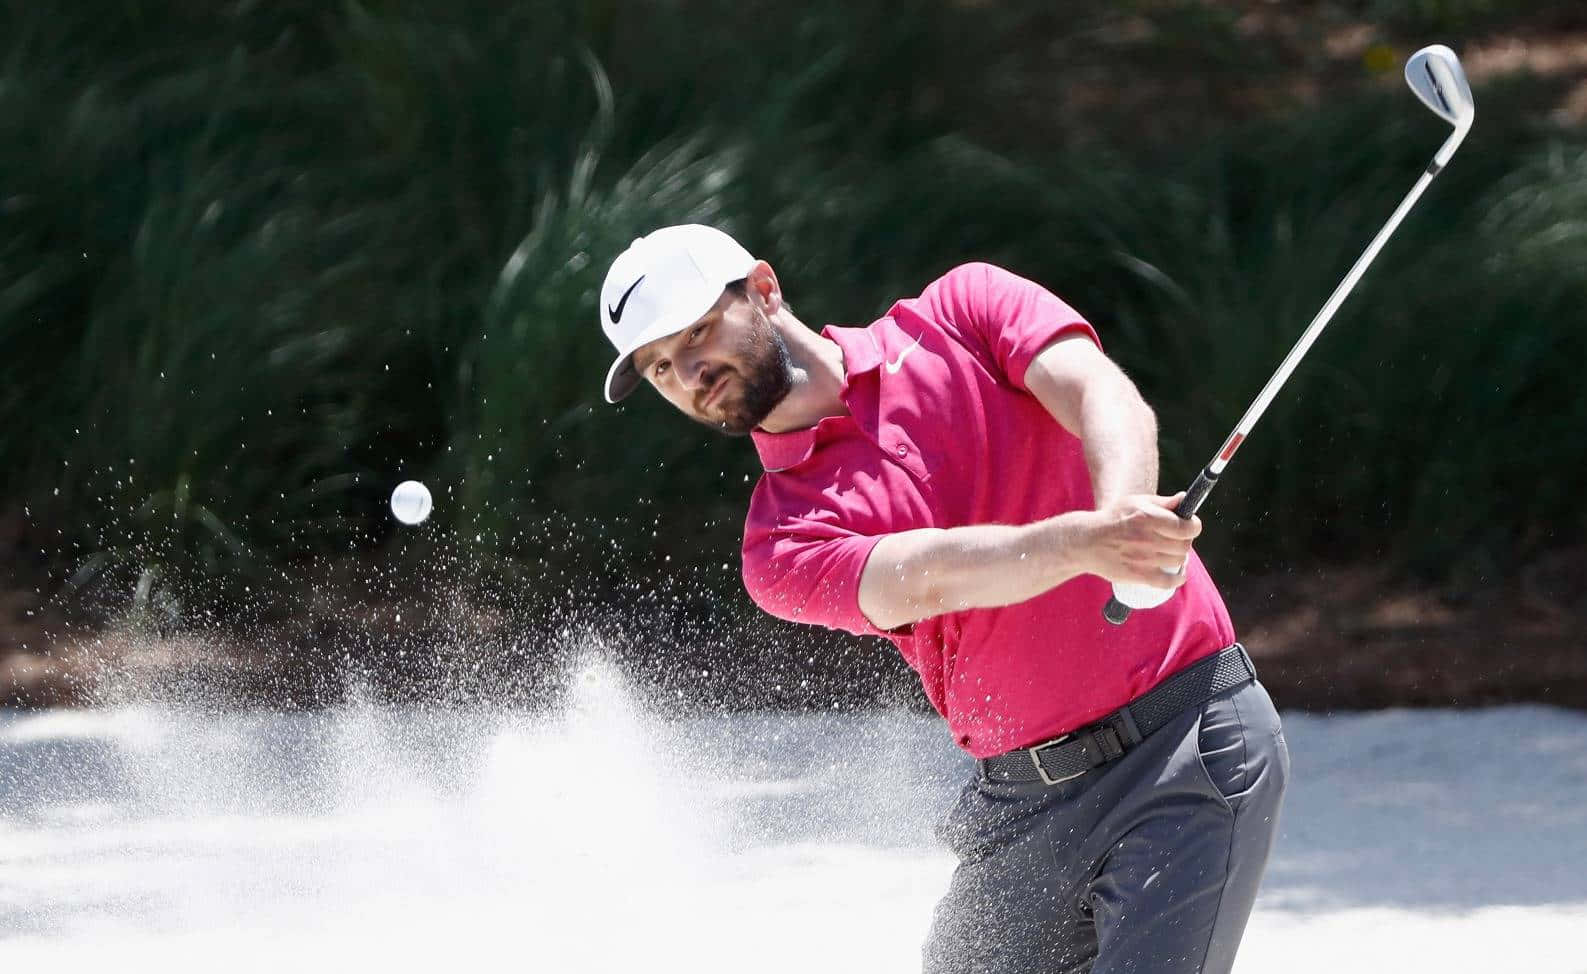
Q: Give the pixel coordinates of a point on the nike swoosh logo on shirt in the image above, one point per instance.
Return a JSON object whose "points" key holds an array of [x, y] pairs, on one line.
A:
{"points": [[898, 363], [617, 312]]}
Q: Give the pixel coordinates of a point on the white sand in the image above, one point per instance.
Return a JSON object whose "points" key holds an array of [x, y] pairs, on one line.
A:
{"points": [[609, 841]]}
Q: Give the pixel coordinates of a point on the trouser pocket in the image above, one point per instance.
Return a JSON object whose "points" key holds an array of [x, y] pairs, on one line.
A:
{"points": [[1240, 743], [1220, 743]]}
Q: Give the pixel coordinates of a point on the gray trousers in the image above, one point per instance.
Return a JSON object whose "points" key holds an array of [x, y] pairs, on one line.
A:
{"points": [[1148, 865]]}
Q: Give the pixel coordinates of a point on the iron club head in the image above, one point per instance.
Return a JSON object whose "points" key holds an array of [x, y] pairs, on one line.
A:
{"points": [[1434, 73]]}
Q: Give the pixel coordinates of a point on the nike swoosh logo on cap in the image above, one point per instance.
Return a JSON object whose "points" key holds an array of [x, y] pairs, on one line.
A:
{"points": [[898, 363], [617, 312]]}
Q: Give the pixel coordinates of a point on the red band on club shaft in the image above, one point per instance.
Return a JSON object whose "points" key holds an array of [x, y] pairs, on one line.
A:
{"points": [[1234, 444]]}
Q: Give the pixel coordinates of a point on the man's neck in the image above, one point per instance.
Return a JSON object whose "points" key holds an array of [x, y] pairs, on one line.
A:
{"points": [[817, 380]]}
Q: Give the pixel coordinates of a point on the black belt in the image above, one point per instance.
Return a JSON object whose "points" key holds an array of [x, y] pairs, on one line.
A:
{"points": [[1094, 745]]}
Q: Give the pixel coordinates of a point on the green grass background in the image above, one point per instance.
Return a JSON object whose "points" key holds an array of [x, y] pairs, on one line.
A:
{"points": [[259, 262]]}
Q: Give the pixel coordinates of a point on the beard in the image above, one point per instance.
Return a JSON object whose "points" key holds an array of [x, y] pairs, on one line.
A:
{"points": [[765, 378]]}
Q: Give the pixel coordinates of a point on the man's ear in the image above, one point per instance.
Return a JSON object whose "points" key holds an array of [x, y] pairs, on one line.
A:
{"points": [[762, 287]]}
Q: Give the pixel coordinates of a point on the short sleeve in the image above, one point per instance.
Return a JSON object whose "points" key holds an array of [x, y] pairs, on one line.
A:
{"points": [[809, 578], [1012, 318]]}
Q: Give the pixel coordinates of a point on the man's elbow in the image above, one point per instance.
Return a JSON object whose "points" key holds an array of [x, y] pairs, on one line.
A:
{"points": [[890, 607], [1117, 392], [1147, 415], [897, 588]]}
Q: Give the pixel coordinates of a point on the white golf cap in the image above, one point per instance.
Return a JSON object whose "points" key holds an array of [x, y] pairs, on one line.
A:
{"points": [[663, 283]]}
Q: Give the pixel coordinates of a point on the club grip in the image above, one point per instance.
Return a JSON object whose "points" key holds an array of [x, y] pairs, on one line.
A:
{"points": [[1116, 611], [1196, 493]]}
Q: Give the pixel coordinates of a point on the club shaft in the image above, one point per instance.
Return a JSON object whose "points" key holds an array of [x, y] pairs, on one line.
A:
{"points": [[1269, 391], [1444, 90], [1117, 611]]}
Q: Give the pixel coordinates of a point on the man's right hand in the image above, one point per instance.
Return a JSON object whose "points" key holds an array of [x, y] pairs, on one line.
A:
{"points": [[1138, 539]]}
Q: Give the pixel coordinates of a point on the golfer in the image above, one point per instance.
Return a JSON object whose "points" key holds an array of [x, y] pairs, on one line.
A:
{"points": [[965, 477]]}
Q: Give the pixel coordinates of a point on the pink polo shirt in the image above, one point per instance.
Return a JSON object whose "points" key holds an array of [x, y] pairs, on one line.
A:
{"points": [[941, 432]]}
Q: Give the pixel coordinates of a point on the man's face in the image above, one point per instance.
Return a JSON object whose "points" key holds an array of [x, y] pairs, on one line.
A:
{"points": [[728, 370]]}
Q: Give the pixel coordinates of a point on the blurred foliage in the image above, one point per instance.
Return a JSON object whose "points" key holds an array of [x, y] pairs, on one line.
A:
{"points": [[262, 261], [1454, 17]]}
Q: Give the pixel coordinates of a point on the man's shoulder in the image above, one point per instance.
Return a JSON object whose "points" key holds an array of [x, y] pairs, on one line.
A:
{"points": [[976, 284], [952, 287], [971, 274]]}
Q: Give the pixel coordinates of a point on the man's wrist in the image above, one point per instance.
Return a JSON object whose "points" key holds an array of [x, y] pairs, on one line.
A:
{"points": [[1059, 545]]}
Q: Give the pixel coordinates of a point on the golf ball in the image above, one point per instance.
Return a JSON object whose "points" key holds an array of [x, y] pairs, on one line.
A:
{"points": [[410, 502]]}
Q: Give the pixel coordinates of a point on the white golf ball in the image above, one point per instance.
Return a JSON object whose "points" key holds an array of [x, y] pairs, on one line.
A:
{"points": [[410, 502]]}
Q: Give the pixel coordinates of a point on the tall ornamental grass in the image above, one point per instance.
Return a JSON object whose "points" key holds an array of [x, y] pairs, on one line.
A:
{"points": [[261, 262]]}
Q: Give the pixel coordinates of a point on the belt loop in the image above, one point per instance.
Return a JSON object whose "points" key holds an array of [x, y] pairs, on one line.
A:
{"points": [[1245, 657], [1110, 743], [1132, 733]]}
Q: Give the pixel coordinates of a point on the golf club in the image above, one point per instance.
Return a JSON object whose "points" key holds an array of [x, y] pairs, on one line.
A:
{"points": [[1434, 73]]}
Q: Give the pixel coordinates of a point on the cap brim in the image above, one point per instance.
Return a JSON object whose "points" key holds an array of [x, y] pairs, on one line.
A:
{"points": [[622, 378]]}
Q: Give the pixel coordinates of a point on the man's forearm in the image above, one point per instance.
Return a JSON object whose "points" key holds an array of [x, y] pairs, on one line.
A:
{"points": [[1119, 434], [917, 574], [1092, 398]]}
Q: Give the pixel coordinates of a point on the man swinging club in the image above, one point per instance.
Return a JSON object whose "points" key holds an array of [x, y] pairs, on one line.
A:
{"points": [[966, 477]]}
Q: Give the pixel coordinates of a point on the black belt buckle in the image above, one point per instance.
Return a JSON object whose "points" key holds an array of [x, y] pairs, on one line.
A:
{"points": [[1041, 769]]}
